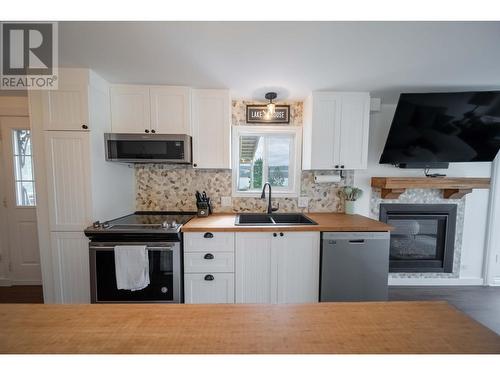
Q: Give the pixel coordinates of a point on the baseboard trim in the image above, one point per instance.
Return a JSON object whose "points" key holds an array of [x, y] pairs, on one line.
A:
{"points": [[5, 282], [8, 282], [434, 281], [495, 282]]}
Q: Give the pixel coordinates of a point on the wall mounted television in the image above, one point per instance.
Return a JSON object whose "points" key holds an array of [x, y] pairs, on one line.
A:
{"points": [[434, 129]]}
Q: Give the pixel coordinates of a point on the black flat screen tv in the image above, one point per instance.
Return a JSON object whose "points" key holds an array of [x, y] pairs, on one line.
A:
{"points": [[433, 129]]}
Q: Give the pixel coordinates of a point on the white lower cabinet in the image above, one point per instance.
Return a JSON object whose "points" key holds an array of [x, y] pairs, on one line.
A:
{"points": [[281, 267], [209, 267], [70, 263], [209, 287]]}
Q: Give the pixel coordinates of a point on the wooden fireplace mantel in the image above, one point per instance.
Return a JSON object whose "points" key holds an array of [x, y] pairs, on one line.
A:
{"points": [[453, 187]]}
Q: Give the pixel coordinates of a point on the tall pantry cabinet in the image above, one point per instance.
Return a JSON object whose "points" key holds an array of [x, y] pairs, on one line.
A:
{"points": [[75, 185]]}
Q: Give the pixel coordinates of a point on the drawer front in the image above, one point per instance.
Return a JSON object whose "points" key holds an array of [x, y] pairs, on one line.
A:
{"points": [[208, 262], [208, 242], [209, 288]]}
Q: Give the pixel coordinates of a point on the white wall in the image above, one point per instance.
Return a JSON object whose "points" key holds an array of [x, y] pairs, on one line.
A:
{"points": [[476, 204], [492, 262], [113, 184]]}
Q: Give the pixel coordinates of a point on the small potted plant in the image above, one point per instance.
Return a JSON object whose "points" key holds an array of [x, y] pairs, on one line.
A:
{"points": [[350, 194]]}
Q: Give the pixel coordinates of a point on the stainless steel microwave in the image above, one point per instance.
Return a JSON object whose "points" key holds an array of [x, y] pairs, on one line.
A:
{"points": [[148, 148]]}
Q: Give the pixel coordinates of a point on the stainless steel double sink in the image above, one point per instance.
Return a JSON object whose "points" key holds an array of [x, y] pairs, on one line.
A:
{"points": [[258, 219]]}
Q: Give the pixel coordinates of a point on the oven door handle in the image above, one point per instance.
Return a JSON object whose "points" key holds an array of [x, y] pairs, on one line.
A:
{"points": [[159, 248]]}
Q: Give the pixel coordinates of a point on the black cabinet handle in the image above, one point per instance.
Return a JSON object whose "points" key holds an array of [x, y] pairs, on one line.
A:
{"points": [[153, 131], [209, 277], [85, 127], [208, 256], [146, 130], [336, 166], [275, 234], [341, 166], [208, 235], [195, 165], [281, 234]]}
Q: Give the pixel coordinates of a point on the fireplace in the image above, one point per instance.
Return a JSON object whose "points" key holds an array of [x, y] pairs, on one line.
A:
{"points": [[424, 236]]}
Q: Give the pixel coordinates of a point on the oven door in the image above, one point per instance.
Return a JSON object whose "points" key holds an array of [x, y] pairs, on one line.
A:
{"points": [[141, 148], [164, 274]]}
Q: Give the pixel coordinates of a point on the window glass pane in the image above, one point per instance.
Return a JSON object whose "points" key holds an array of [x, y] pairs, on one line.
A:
{"points": [[23, 168], [22, 142], [251, 168], [278, 160], [25, 193]]}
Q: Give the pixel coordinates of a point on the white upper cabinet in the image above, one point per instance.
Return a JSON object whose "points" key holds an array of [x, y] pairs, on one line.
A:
{"points": [[151, 109], [130, 109], [66, 108], [211, 124], [280, 267], [336, 126], [170, 110]]}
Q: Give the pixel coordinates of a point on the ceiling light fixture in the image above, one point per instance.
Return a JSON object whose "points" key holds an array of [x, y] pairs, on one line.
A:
{"points": [[271, 107]]}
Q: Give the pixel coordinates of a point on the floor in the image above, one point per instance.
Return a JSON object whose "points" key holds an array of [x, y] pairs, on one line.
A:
{"points": [[21, 294], [480, 303]]}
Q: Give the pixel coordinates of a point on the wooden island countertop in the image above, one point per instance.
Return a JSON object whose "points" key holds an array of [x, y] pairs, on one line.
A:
{"points": [[327, 222], [376, 327]]}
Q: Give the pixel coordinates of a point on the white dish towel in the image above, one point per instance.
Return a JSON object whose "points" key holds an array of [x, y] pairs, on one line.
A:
{"points": [[132, 267]]}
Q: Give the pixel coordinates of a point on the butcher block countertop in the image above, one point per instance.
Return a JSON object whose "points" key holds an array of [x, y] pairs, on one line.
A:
{"points": [[377, 327], [327, 222]]}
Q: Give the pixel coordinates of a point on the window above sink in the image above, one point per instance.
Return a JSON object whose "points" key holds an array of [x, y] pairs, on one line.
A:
{"points": [[266, 154]]}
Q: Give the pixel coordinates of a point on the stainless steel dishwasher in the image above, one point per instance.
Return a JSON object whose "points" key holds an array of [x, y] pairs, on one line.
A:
{"points": [[354, 266]]}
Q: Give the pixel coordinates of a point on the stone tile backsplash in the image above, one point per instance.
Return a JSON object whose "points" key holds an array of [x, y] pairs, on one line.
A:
{"points": [[172, 188]]}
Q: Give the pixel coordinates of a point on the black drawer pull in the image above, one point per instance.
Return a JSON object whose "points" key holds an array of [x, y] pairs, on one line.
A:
{"points": [[208, 235], [275, 234], [356, 241], [281, 234], [209, 277], [208, 256]]}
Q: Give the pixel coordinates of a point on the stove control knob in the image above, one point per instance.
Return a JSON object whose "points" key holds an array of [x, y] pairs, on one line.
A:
{"points": [[105, 224], [164, 225], [164, 289], [96, 224], [174, 224]]}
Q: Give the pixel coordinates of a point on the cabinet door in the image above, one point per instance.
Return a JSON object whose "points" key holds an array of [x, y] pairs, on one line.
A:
{"points": [[171, 110], [70, 265], [354, 131], [297, 267], [211, 129], [209, 288], [66, 108], [325, 137], [130, 111], [253, 271], [68, 180]]}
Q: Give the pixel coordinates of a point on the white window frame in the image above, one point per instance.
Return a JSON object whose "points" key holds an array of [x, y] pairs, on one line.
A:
{"points": [[295, 164]]}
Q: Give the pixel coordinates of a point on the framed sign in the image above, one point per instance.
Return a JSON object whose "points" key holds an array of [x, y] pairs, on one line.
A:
{"points": [[257, 114]]}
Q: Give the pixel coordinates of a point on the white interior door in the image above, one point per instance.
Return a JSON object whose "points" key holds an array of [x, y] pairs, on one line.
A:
{"points": [[20, 201]]}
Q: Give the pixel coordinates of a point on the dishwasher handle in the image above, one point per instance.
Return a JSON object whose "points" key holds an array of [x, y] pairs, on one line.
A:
{"points": [[359, 242]]}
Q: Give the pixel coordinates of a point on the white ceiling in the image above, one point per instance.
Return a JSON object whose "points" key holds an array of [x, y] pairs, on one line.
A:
{"points": [[293, 58]]}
